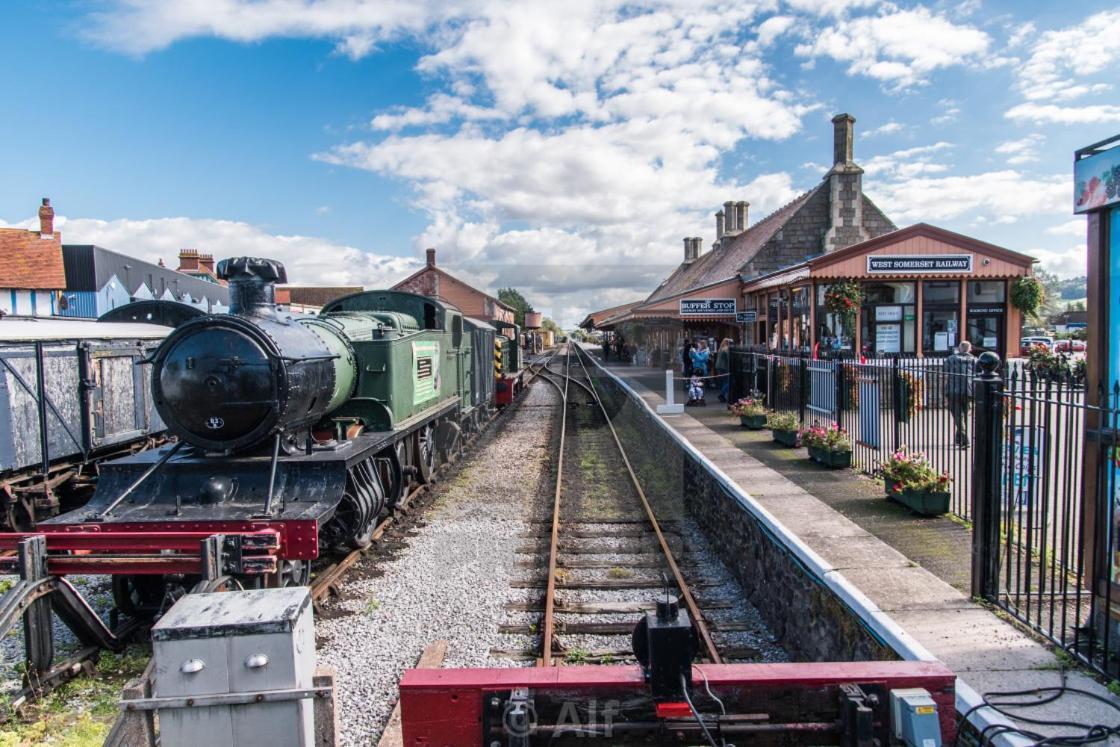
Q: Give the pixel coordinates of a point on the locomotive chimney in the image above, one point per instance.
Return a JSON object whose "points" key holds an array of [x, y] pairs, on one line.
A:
{"points": [[252, 284]]}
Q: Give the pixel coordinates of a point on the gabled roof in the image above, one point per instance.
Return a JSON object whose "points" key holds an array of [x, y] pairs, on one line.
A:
{"points": [[927, 231], [595, 317], [29, 261], [452, 278], [724, 263]]}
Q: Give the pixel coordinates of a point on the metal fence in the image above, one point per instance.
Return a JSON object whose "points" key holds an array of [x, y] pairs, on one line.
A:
{"points": [[1046, 533], [883, 404]]}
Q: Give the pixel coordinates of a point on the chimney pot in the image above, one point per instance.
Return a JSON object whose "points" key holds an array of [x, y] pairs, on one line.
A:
{"points": [[431, 257], [720, 225], [843, 134], [46, 219], [741, 215]]}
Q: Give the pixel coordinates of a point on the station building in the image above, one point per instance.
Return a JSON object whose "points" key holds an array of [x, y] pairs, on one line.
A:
{"points": [[435, 282], [923, 289]]}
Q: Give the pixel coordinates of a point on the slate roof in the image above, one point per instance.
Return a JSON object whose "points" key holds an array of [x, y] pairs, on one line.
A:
{"points": [[724, 263], [315, 295], [90, 267], [28, 261]]}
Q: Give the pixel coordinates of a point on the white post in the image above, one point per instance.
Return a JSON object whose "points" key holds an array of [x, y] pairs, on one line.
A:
{"points": [[670, 407]]}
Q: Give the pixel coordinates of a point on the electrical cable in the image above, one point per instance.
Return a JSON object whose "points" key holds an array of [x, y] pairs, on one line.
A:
{"points": [[696, 714], [708, 689], [1092, 734]]}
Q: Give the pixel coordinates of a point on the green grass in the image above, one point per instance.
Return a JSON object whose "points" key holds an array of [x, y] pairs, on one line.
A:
{"points": [[81, 712]]}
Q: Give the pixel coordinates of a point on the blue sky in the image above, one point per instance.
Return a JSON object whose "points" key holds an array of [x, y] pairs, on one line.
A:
{"points": [[562, 148]]}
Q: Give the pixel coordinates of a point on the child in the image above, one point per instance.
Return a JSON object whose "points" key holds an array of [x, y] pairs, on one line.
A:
{"points": [[696, 390]]}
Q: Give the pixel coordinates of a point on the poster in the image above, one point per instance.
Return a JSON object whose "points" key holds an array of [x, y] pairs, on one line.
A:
{"points": [[941, 342], [888, 313], [1021, 480], [888, 338]]}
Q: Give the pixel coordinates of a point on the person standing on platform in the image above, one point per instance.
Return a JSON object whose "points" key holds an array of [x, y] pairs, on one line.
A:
{"points": [[686, 361], [723, 366], [700, 358], [960, 369]]}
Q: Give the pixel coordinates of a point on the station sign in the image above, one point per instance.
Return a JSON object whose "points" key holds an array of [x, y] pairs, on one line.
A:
{"points": [[980, 310], [895, 264], [746, 317], [1096, 181], [707, 307]]}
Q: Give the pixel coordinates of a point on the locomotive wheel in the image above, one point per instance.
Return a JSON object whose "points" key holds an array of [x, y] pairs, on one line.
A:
{"points": [[139, 597], [295, 573], [426, 452]]}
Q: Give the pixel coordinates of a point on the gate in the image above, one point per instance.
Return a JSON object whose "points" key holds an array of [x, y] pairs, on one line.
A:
{"points": [[822, 391]]}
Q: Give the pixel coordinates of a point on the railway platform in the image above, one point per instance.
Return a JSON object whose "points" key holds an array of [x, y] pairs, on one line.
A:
{"points": [[915, 570]]}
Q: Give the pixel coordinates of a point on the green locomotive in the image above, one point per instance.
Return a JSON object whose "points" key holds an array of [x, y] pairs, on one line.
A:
{"points": [[309, 427]]}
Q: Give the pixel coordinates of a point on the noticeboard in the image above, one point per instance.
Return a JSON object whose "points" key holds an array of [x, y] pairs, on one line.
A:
{"points": [[1096, 181]]}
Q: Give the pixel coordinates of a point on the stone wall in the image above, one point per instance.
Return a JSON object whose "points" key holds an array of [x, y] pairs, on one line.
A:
{"points": [[808, 620]]}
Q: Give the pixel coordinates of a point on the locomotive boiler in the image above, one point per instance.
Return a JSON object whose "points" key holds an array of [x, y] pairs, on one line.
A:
{"points": [[292, 433]]}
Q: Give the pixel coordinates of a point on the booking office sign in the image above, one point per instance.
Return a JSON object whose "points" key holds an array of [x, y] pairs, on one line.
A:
{"points": [[1096, 177]]}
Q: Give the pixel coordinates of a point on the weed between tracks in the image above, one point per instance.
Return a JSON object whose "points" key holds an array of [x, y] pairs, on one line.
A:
{"points": [[81, 712]]}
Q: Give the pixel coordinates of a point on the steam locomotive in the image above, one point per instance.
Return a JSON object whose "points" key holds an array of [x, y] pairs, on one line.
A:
{"points": [[293, 435]]}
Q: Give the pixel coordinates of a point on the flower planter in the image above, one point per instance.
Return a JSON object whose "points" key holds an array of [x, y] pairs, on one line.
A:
{"points": [[831, 459], [753, 422], [924, 502], [785, 438]]}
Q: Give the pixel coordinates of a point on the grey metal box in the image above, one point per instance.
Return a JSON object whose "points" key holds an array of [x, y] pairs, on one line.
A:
{"points": [[236, 642]]}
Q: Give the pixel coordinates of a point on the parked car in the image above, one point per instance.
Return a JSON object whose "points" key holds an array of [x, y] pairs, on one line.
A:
{"points": [[1026, 343], [1070, 346]]}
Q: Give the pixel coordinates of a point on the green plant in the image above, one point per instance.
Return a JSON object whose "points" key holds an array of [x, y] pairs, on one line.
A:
{"points": [[617, 572], [750, 406], [782, 421], [1027, 295], [832, 438], [576, 656], [913, 390], [843, 299], [909, 470], [1114, 687], [373, 604]]}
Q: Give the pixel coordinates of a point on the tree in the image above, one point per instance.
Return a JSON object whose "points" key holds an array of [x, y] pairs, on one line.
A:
{"points": [[521, 307], [547, 323]]}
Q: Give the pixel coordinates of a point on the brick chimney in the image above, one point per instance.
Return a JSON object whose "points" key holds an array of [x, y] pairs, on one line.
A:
{"points": [[206, 262], [431, 260], [46, 219], [741, 208], [188, 260], [692, 248], [845, 188]]}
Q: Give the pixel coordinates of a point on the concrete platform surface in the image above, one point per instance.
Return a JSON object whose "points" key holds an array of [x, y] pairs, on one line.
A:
{"points": [[914, 569]]}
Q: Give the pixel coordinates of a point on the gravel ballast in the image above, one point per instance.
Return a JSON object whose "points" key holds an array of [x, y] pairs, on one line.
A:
{"points": [[450, 579]]}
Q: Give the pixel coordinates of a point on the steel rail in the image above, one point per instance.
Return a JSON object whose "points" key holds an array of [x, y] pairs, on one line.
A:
{"points": [[549, 624], [686, 594]]}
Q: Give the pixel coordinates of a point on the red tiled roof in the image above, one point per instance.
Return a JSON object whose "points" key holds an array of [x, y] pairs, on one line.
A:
{"points": [[725, 263], [29, 261]]}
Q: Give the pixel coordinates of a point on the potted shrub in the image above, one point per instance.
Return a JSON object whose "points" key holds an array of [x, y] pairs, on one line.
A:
{"points": [[913, 482], [751, 411], [784, 426], [828, 446]]}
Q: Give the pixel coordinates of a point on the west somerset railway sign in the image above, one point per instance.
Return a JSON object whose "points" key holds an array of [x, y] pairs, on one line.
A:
{"points": [[907, 263]]}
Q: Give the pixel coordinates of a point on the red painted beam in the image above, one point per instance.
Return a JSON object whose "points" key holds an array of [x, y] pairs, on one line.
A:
{"points": [[445, 706]]}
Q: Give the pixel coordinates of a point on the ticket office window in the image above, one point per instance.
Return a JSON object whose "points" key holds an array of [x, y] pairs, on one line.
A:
{"points": [[941, 313], [887, 318], [987, 310]]}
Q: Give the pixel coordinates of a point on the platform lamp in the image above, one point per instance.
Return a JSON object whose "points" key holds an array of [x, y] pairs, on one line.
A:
{"points": [[1097, 195]]}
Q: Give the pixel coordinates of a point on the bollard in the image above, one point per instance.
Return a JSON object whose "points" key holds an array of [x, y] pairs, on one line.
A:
{"points": [[670, 407], [986, 473]]}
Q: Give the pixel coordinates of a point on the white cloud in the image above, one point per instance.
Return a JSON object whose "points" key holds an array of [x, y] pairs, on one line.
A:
{"points": [[308, 259], [1060, 67], [898, 47], [999, 196], [907, 162], [1054, 114], [1023, 150], [828, 7], [1066, 263], [887, 128], [1075, 227]]}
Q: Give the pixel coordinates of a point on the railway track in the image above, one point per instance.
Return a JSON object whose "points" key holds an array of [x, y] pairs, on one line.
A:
{"points": [[608, 550]]}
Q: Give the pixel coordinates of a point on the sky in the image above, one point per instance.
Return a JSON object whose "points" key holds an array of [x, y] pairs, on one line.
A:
{"points": [[563, 148]]}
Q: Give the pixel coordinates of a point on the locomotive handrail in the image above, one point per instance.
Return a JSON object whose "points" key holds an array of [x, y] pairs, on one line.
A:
{"points": [[136, 483]]}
